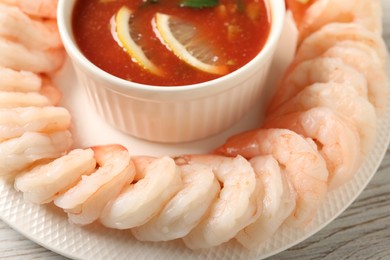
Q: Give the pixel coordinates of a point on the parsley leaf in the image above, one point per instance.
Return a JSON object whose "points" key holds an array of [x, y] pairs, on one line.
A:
{"points": [[198, 3]]}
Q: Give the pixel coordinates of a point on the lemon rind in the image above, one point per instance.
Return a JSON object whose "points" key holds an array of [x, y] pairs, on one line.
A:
{"points": [[137, 54]]}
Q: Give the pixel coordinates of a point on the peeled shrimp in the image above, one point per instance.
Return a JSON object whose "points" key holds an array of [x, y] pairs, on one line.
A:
{"points": [[331, 34], [341, 98], [18, 153], [366, 13], [298, 9], [38, 8], [303, 164], [20, 99], [140, 202], [356, 55], [17, 57], [33, 34], [238, 204], [338, 141], [317, 70], [140, 164], [85, 201], [50, 91], [16, 121], [278, 202], [186, 209], [45, 182], [20, 81]]}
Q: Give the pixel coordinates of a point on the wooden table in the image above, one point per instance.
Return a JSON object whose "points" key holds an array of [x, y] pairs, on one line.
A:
{"points": [[361, 232]]}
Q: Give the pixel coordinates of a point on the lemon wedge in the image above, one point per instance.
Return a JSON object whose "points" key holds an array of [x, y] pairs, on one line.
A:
{"points": [[123, 31], [180, 37]]}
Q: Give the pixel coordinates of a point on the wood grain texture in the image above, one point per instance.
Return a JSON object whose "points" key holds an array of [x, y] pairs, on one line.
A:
{"points": [[361, 232]]}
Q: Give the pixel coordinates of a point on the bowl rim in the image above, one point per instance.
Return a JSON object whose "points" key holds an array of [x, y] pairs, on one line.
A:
{"points": [[276, 9]]}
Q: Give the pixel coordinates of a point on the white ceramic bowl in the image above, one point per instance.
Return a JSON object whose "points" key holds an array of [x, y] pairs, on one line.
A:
{"points": [[173, 114]]}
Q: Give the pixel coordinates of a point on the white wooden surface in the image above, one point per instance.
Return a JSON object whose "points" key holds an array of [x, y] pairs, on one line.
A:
{"points": [[361, 232]]}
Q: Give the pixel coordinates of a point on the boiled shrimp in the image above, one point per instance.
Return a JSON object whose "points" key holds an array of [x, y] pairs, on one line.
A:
{"points": [[341, 98], [317, 70], [298, 9], [19, 153], [17, 121], [331, 34], [278, 202], [50, 91], [34, 34], [366, 13], [355, 54], [239, 202], [186, 209], [140, 164], [45, 182], [338, 141], [140, 202], [16, 56], [22, 99], [85, 201], [37, 8], [303, 164], [19, 81]]}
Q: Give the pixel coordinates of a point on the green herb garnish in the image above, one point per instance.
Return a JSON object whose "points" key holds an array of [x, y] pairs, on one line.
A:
{"points": [[240, 6], [198, 3]]}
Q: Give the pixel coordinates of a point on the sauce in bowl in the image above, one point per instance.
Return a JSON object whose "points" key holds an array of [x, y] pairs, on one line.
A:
{"points": [[161, 42]]}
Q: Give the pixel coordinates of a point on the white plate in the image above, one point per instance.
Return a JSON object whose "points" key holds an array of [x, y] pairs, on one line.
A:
{"points": [[48, 225]]}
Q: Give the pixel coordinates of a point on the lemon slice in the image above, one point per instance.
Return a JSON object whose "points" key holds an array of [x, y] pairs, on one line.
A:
{"points": [[123, 31], [180, 38]]}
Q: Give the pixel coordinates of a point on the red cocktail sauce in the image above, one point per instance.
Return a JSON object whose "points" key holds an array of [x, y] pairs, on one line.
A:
{"points": [[236, 30]]}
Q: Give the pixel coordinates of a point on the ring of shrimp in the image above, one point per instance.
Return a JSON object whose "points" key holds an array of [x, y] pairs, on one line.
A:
{"points": [[284, 181]]}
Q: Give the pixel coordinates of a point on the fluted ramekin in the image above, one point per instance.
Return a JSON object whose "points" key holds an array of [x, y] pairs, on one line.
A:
{"points": [[173, 114]]}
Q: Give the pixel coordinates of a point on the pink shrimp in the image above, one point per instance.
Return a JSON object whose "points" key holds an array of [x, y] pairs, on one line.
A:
{"points": [[331, 34], [303, 164], [19, 153], [186, 209], [340, 98], [46, 181], [16, 56], [23, 99], [37, 8], [337, 139], [17, 121], [34, 34], [317, 70], [278, 203], [20, 81], [85, 201], [366, 13], [355, 54], [239, 202], [139, 202], [50, 91]]}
